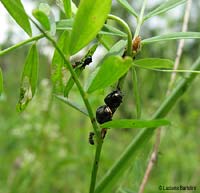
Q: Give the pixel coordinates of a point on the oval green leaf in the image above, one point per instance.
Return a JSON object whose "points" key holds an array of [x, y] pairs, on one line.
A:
{"points": [[89, 20], [16, 10], [42, 18], [164, 7], [154, 63], [134, 123], [172, 36], [111, 69], [29, 78]]}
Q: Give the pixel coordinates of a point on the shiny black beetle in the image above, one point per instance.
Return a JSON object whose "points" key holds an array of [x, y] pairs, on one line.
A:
{"points": [[114, 99], [103, 114]]}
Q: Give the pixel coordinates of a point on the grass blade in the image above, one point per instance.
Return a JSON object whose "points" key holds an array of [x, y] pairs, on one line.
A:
{"points": [[115, 172], [164, 7], [172, 36], [136, 94], [68, 8], [1, 82]]}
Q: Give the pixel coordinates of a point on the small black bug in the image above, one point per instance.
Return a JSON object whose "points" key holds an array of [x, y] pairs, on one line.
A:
{"points": [[114, 99], [103, 114], [91, 138], [87, 61]]}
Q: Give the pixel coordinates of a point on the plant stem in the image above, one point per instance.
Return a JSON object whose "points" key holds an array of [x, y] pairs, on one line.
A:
{"points": [[5, 51], [95, 166], [76, 80], [128, 31], [140, 19]]}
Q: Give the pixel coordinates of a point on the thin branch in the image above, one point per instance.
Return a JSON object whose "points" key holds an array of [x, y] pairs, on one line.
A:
{"points": [[154, 154]]}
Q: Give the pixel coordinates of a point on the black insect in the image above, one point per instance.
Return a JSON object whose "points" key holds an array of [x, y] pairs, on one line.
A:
{"points": [[103, 114], [91, 138], [114, 99], [87, 61]]}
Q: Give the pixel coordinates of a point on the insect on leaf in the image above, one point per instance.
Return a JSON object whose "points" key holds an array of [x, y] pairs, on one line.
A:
{"points": [[88, 22], [29, 79], [16, 10]]}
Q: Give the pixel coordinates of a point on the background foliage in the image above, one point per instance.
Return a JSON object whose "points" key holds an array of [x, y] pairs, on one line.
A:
{"points": [[45, 149]]}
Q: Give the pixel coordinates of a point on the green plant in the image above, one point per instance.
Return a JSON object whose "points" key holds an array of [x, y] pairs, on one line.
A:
{"points": [[84, 25]]}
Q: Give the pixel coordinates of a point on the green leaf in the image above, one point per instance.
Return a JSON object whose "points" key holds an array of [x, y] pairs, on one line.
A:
{"points": [[172, 36], [134, 123], [117, 49], [89, 20], [154, 63], [128, 7], [1, 82], [164, 7], [66, 24], [68, 8], [72, 104], [58, 68], [29, 78], [16, 10], [111, 69], [42, 18]]}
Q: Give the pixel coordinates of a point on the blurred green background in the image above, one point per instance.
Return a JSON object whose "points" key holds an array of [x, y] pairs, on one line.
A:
{"points": [[45, 149]]}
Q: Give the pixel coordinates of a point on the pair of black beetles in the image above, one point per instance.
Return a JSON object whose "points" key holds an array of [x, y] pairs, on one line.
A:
{"points": [[105, 112]]}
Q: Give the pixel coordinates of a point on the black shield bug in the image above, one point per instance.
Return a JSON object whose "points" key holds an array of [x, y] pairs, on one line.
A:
{"points": [[114, 99], [103, 114], [87, 61]]}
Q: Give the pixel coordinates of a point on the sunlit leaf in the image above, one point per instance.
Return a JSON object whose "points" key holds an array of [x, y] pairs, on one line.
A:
{"points": [[68, 8], [89, 20], [29, 78], [172, 36], [134, 123], [164, 7], [154, 63], [42, 18], [16, 10], [111, 69]]}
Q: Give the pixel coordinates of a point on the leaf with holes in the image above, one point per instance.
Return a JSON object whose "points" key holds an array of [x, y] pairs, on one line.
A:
{"points": [[29, 79]]}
